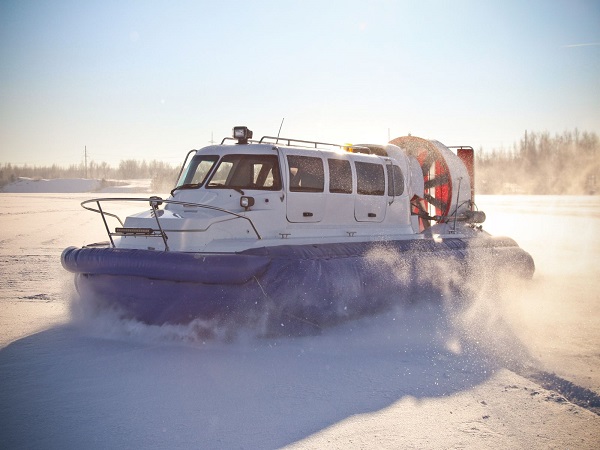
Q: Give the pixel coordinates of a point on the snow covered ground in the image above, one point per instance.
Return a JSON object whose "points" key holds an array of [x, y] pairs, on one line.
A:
{"points": [[72, 185], [519, 371]]}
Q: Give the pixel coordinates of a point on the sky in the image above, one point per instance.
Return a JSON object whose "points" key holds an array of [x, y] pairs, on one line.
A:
{"points": [[153, 79]]}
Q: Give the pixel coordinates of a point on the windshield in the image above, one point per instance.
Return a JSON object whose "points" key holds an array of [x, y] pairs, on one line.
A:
{"points": [[197, 170], [247, 172]]}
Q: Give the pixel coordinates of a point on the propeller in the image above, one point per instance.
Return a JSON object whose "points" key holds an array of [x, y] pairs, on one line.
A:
{"points": [[436, 175]]}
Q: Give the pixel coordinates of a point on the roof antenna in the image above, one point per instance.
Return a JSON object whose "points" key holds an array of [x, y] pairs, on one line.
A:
{"points": [[279, 132]]}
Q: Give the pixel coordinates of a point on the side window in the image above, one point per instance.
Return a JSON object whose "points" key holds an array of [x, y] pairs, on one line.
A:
{"points": [[340, 176], [395, 181], [370, 178], [306, 174]]}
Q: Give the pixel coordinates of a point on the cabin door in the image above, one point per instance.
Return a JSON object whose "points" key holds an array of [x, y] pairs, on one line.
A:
{"points": [[306, 185]]}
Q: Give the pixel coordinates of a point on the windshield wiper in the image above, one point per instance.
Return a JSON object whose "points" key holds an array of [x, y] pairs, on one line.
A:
{"points": [[185, 186]]}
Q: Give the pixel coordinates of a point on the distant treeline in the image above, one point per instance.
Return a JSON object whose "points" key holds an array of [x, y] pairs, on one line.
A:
{"points": [[539, 163], [567, 163], [163, 175]]}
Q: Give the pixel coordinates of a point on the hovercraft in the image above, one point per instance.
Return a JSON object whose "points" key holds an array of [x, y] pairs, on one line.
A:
{"points": [[282, 231]]}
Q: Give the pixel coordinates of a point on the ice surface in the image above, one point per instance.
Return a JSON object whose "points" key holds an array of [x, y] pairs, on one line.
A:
{"points": [[418, 377]]}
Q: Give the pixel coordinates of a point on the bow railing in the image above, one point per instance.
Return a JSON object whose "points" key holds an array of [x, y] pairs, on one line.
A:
{"points": [[154, 203]]}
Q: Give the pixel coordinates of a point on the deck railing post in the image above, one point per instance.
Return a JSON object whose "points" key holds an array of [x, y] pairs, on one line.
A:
{"points": [[105, 224], [154, 202]]}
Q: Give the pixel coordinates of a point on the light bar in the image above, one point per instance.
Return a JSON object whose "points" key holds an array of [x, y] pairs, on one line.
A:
{"points": [[132, 230]]}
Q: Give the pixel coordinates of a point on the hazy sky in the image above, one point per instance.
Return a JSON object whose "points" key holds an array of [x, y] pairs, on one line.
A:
{"points": [[153, 79]]}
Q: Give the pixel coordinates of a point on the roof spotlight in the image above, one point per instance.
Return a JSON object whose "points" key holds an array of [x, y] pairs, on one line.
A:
{"points": [[242, 134]]}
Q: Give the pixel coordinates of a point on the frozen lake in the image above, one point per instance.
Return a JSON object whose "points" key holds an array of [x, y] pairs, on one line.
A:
{"points": [[512, 372]]}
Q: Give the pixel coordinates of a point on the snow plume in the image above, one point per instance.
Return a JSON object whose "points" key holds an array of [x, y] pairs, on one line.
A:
{"points": [[112, 324], [463, 297]]}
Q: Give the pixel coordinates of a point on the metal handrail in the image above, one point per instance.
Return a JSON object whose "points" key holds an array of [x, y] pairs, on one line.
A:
{"points": [[289, 141], [154, 203]]}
